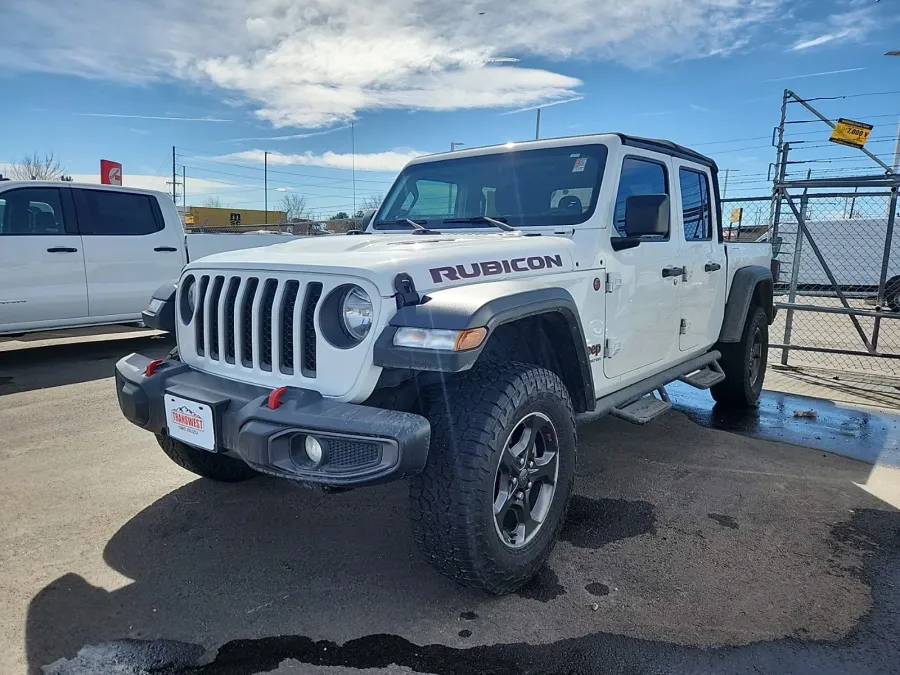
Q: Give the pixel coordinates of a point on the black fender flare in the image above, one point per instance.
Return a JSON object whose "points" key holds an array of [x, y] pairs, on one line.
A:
{"points": [[477, 306], [743, 286], [164, 317]]}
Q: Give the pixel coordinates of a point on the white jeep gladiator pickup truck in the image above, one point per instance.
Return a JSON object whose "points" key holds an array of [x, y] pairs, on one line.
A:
{"points": [[499, 296], [85, 255]]}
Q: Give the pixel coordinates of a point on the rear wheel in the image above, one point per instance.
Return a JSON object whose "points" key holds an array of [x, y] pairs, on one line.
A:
{"points": [[207, 464], [487, 509], [892, 293], [744, 363]]}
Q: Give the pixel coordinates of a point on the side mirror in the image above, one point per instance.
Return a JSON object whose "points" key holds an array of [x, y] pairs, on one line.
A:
{"points": [[645, 216]]}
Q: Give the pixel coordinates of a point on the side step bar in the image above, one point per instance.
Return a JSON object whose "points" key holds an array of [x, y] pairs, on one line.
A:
{"points": [[705, 377], [622, 398], [645, 409]]}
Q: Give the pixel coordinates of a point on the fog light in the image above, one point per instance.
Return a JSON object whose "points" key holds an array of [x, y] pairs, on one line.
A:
{"points": [[313, 450]]}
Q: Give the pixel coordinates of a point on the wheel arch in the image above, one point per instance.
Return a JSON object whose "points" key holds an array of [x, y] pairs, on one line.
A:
{"points": [[752, 285], [548, 318]]}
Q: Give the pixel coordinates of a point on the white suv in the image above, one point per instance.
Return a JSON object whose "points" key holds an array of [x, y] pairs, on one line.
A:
{"points": [[498, 296]]}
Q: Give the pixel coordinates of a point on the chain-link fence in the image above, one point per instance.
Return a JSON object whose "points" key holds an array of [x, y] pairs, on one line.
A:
{"points": [[838, 289]]}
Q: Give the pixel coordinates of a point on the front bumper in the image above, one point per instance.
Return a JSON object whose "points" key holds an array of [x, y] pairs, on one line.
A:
{"points": [[363, 445]]}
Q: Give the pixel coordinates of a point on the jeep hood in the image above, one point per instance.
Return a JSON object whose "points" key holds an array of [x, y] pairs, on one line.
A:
{"points": [[433, 261]]}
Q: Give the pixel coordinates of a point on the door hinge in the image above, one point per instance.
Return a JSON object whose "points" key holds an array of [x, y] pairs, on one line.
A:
{"points": [[611, 348], [613, 282], [685, 324]]}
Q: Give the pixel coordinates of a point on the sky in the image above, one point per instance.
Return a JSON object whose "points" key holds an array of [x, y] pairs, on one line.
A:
{"points": [[224, 81]]}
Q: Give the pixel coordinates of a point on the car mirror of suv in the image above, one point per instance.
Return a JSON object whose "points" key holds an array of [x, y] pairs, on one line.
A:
{"points": [[647, 215]]}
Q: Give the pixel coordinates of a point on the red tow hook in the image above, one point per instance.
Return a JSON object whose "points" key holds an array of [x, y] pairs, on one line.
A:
{"points": [[152, 366], [275, 397]]}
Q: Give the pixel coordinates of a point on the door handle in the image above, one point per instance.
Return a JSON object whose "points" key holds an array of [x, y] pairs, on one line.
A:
{"points": [[62, 249], [672, 272], [168, 249], [712, 267]]}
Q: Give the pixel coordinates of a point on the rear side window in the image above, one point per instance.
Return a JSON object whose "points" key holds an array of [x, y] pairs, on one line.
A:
{"points": [[111, 213], [695, 205], [31, 211], [639, 177]]}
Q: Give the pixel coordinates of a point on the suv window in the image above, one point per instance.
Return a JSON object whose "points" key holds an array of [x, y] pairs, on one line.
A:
{"points": [[639, 177], [435, 198], [31, 211], [695, 205], [105, 212]]}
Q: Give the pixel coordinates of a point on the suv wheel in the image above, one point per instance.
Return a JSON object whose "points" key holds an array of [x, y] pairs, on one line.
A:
{"points": [[207, 464], [488, 507], [744, 363]]}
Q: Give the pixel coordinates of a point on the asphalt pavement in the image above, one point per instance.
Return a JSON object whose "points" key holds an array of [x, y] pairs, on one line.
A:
{"points": [[688, 549]]}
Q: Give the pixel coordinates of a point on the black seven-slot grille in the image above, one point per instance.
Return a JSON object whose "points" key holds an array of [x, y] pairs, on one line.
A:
{"points": [[224, 327]]}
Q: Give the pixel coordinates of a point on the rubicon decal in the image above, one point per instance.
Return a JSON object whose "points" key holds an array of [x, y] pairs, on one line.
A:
{"points": [[493, 267], [187, 418]]}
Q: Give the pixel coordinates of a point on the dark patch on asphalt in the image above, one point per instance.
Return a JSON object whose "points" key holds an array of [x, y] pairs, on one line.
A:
{"points": [[465, 633], [724, 521], [871, 648], [5, 379], [594, 523], [468, 616], [543, 586], [597, 589], [129, 657], [854, 433]]}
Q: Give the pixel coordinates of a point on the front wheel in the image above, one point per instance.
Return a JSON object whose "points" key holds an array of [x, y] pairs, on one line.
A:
{"points": [[487, 509], [744, 363]]}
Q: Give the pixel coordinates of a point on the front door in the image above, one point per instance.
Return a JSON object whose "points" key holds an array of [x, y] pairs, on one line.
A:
{"points": [[128, 251], [703, 291], [642, 308], [42, 278]]}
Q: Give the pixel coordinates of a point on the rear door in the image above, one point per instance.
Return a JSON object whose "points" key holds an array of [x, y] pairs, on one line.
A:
{"points": [[42, 275], [703, 255], [642, 306], [128, 250]]}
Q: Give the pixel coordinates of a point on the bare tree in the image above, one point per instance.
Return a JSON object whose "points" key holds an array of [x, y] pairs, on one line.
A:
{"points": [[372, 201], [293, 205], [213, 202], [35, 167]]}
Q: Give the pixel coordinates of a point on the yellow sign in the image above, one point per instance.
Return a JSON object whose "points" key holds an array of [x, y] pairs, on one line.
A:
{"points": [[848, 132], [737, 215], [189, 219]]}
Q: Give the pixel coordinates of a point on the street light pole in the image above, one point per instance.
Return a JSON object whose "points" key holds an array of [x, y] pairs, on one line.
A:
{"points": [[266, 183], [453, 145], [537, 126]]}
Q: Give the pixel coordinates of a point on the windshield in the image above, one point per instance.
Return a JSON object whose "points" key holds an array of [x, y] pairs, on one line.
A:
{"points": [[525, 188]]}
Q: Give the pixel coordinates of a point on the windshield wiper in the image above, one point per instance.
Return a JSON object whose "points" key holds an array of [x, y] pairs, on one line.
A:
{"points": [[417, 225], [483, 219]]}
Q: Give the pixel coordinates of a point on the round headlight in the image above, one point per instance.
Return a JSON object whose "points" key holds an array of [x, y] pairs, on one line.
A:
{"points": [[188, 302], [356, 313]]}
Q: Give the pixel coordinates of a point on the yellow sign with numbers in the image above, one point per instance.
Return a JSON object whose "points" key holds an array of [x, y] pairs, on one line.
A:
{"points": [[848, 132], [737, 215]]}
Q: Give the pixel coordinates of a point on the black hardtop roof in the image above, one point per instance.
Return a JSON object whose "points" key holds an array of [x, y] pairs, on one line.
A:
{"points": [[667, 148]]}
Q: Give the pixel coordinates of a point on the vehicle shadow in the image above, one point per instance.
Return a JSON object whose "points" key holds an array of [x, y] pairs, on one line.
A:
{"points": [[219, 560], [70, 363]]}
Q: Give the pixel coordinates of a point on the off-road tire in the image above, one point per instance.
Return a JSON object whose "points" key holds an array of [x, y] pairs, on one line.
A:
{"points": [[892, 293], [740, 389], [203, 463], [451, 501]]}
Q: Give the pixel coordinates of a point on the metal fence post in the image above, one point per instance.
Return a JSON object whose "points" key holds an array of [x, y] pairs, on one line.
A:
{"points": [[885, 261]]}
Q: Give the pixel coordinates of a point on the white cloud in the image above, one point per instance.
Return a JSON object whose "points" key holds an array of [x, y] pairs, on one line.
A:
{"points": [[543, 105], [822, 74], [154, 117], [315, 63], [853, 25], [391, 160]]}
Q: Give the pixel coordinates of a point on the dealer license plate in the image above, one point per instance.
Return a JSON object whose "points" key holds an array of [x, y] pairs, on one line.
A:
{"points": [[190, 422]]}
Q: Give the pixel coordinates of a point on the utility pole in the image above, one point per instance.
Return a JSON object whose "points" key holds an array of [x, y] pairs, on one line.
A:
{"points": [[174, 179], [183, 187], [353, 164], [725, 187], [896, 163], [266, 183], [537, 127]]}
